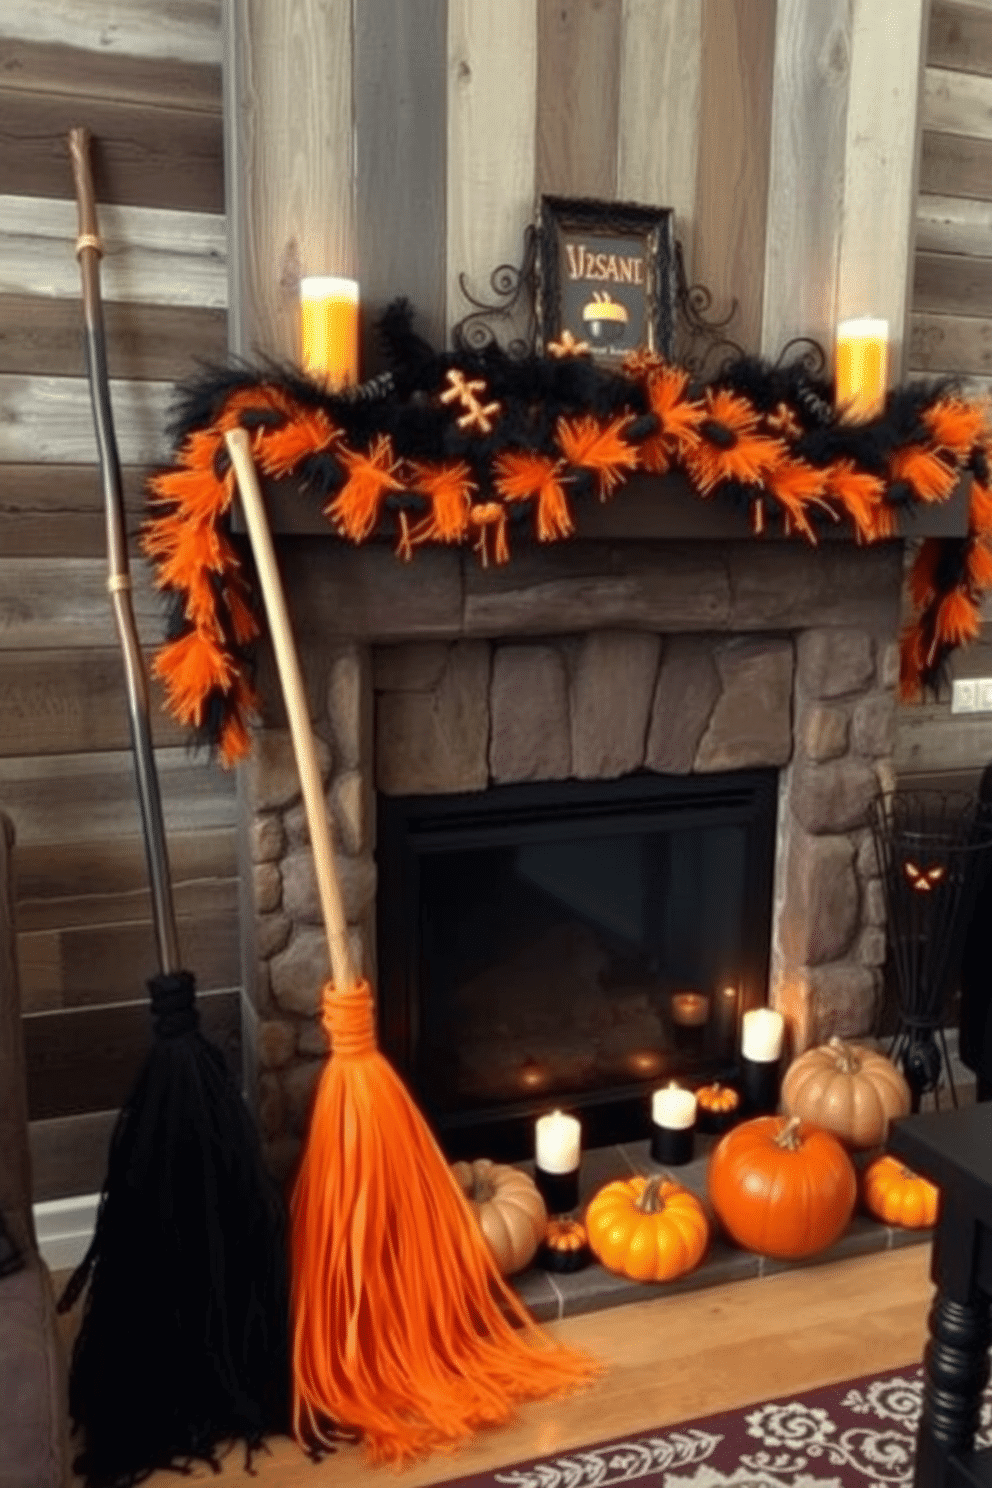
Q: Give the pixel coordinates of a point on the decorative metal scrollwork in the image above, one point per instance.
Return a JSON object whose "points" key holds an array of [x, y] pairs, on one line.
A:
{"points": [[702, 346], [516, 291]]}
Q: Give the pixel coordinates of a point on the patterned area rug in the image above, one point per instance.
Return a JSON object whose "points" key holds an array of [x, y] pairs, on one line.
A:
{"points": [[843, 1436]]}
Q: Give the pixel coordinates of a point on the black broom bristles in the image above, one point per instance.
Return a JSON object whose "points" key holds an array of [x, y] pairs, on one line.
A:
{"points": [[183, 1345]]}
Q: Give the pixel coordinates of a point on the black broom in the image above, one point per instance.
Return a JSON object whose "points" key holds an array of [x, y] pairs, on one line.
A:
{"points": [[183, 1343]]}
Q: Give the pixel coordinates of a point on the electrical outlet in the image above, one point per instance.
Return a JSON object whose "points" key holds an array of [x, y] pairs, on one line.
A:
{"points": [[984, 688], [964, 698]]}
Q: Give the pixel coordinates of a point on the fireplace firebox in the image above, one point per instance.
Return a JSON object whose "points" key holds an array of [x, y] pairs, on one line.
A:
{"points": [[571, 943]]}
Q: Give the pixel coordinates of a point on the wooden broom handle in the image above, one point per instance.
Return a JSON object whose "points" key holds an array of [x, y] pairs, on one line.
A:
{"points": [[287, 662]]}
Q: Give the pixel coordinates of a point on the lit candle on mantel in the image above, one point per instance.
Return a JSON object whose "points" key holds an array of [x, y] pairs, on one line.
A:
{"points": [[690, 1009], [329, 331], [673, 1117], [861, 368], [762, 1033], [558, 1152]]}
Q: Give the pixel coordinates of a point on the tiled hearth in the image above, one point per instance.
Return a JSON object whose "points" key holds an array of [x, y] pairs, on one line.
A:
{"points": [[551, 1297]]}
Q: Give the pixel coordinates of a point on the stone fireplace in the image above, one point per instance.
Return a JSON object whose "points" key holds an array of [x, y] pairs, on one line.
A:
{"points": [[594, 660]]}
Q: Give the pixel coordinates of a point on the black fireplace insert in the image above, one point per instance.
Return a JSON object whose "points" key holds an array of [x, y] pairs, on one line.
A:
{"points": [[571, 944]]}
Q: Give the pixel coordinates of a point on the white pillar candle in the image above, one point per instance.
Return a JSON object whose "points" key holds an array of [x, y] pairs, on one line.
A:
{"points": [[762, 1032], [558, 1144], [673, 1107]]}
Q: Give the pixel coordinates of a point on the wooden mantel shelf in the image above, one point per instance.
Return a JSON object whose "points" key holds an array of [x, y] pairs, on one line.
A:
{"points": [[647, 509]]}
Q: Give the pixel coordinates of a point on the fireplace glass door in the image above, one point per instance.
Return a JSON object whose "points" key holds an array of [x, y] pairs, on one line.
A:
{"points": [[570, 944]]}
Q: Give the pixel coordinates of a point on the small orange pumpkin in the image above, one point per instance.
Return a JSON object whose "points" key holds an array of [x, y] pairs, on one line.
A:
{"points": [[650, 1229], [565, 1246], [897, 1196], [780, 1187], [847, 1089], [510, 1211], [717, 1107]]}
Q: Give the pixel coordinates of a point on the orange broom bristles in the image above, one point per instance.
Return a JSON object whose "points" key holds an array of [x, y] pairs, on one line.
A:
{"points": [[403, 1328]]}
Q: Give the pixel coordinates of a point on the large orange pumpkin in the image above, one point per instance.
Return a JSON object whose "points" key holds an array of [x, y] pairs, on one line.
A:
{"points": [[780, 1187], [650, 1229], [898, 1196], [849, 1090]]}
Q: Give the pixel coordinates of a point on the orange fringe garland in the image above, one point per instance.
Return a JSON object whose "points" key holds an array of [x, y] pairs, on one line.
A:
{"points": [[715, 437], [384, 1342]]}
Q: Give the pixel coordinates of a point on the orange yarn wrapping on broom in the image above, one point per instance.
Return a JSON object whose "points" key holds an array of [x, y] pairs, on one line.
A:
{"points": [[403, 1328]]}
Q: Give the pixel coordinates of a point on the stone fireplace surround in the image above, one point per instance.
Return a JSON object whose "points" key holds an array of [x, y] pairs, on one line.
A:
{"points": [[586, 660]]}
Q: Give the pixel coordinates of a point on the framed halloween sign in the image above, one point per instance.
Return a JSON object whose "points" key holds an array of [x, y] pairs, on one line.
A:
{"points": [[606, 278]]}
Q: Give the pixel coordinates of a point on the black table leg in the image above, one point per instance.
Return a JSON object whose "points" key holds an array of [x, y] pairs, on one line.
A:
{"points": [[956, 1359]]}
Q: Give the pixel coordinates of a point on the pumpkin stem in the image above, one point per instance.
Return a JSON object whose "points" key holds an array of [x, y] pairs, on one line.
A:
{"points": [[848, 1062], [651, 1201], [788, 1137]]}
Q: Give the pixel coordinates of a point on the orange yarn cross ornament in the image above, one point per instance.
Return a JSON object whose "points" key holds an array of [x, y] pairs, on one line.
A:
{"points": [[403, 1329]]}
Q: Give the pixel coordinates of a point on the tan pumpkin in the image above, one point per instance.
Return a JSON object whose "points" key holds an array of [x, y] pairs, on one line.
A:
{"points": [[510, 1211], [898, 1196], [650, 1229], [846, 1089]]}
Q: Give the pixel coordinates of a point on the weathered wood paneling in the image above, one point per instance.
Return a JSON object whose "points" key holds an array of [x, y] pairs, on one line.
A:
{"points": [[957, 103], [659, 119], [401, 55], [951, 343], [291, 206], [51, 419], [953, 284], [149, 256], [147, 157], [960, 37], [492, 120], [98, 965], [184, 32], [69, 1154], [53, 702], [87, 798], [738, 55], [953, 165], [151, 82], [87, 1060], [578, 97], [75, 883], [56, 511], [144, 342], [875, 268], [807, 172], [954, 224], [47, 604]]}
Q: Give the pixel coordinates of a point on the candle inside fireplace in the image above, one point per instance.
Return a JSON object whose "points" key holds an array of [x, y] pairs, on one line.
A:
{"points": [[762, 1033], [690, 1009], [558, 1143]]}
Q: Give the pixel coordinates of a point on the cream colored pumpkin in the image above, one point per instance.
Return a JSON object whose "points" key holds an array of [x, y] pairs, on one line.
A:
{"points": [[510, 1211], [846, 1089]]}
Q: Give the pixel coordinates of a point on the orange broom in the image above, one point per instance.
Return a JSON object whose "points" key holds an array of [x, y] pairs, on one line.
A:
{"points": [[403, 1329]]}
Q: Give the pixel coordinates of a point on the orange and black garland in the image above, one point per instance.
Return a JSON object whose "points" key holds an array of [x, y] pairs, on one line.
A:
{"points": [[467, 448]]}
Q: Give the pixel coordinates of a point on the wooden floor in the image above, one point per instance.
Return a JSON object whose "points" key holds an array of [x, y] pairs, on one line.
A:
{"points": [[669, 1360]]}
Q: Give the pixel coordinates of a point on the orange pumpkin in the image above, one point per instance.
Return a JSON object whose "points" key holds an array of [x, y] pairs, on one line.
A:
{"points": [[780, 1187], [849, 1090], [650, 1229], [899, 1197], [565, 1246], [510, 1211]]}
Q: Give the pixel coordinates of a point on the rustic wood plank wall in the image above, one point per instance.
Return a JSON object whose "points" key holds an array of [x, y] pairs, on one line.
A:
{"points": [[951, 320], [146, 80]]}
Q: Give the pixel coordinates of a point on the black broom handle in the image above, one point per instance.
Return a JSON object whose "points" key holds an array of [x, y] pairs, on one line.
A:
{"points": [[89, 250]]}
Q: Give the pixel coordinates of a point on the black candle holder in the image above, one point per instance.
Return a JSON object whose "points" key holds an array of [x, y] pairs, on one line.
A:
{"points": [[759, 1084], [671, 1146], [560, 1191]]}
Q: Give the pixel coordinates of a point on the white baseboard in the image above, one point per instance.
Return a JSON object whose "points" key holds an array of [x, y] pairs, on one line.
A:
{"points": [[65, 1229]]}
